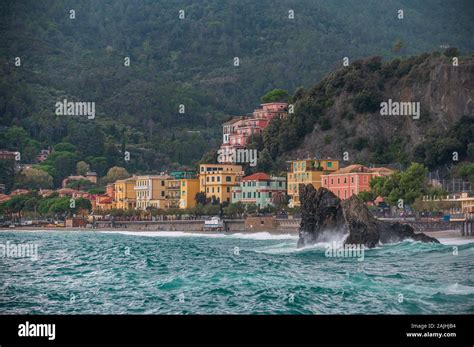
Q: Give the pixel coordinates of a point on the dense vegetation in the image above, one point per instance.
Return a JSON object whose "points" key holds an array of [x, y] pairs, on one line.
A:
{"points": [[187, 62], [361, 86]]}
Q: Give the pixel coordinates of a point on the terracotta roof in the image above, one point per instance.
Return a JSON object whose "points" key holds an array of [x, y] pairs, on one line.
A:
{"points": [[105, 200], [232, 121], [380, 169], [361, 168], [259, 176], [4, 197], [19, 191], [352, 168]]}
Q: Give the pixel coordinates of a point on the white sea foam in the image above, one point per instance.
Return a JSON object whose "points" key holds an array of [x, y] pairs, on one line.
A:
{"points": [[455, 240], [250, 236], [458, 289]]}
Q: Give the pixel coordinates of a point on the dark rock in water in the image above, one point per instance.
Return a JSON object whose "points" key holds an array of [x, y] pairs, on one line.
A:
{"points": [[325, 217]]}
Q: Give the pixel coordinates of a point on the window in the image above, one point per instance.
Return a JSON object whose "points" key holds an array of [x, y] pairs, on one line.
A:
{"points": [[338, 180], [162, 183], [218, 189], [329, 164], [258, 194], [162, 193], [207, 179], [213, 189], [228, 189], [345, 180], [218, 178], [228, 179], [213, 179], [254, 195], [184, 183], [183, 193], [352, 179], [332, 181], [207, 189]]}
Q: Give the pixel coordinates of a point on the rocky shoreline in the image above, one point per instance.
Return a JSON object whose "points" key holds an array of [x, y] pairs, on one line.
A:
{"points": [[325, 217]]}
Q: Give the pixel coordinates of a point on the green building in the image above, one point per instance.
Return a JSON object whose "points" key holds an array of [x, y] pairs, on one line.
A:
{"points": [[260, 189], [182, 175]]}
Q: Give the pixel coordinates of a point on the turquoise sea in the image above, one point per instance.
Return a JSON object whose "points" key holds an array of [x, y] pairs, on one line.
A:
{"points": [[98, 272]]}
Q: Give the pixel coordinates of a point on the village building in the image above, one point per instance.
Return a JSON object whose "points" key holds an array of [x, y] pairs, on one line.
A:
{"points": [[259, 189], [308, 171], [217, 180], [352, 179]]}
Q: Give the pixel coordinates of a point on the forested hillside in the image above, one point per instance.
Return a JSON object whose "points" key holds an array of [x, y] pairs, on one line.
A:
{"points": [[341, 114], [186, 62]]}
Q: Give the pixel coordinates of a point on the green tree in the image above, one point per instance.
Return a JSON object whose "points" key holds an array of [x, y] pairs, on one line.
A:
{"points": [[451, 52], [7, 173], [367, 196], [32, 178], [275, 95], [99, 165], [251, 208], [82, 168], [65, 147], [115, 173], [234, 209], [64, 164]]}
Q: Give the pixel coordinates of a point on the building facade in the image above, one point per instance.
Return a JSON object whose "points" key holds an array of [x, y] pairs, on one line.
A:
{"points": [[216, 180], [259, 189], [352, 179], [124, 198], [150, 191], [90, 176], [237, 131], [308, 171], [172, 193], [189, 189]]}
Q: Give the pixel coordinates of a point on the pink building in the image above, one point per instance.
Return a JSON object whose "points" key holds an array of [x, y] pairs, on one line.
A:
{"points": [[237, 131], [352, 179]]}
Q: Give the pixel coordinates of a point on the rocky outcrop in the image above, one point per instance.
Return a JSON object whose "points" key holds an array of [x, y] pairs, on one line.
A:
{"points": [[445, 94], [325, 218]]}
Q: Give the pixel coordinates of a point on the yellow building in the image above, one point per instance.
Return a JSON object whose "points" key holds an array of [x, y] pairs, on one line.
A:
{"points": [[217, 180], [151, 191], [125, 194], [189, 189], [172, 193], [308, 171]]}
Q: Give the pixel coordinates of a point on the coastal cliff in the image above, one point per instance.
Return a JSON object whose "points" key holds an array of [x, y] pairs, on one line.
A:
{"points": [[325, 218]]}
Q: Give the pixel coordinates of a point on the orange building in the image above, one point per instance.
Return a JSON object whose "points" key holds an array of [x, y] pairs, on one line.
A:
{"points": [[352, 179], [308, 171], [217, 180]]}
